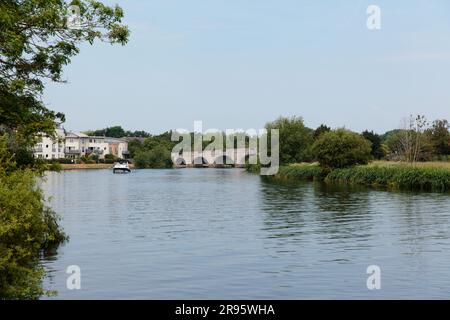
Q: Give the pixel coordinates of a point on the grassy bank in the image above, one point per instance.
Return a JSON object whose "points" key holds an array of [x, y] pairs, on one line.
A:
{"points": [[305, 171], [424, 176], [84, 166]]}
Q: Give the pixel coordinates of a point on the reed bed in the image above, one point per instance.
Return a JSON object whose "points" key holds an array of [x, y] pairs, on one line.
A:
{"points": [[309, 172], [427, 177]]}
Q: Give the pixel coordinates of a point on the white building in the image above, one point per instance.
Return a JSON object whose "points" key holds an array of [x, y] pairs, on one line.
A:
{"points": [[74, 145], [118, 147], [50, 147], [82, 145], [98, 146]]}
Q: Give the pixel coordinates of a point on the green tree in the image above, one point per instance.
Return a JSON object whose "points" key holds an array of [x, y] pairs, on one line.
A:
{"points": [[134, 145], [321, 129], [411, 143], [115, 132], [35, 44], [138, 133], [341, 148], [36, 41], [27, 227], [440, 137], [295, 139], [158, 157], [163, 140], [378, 151]]}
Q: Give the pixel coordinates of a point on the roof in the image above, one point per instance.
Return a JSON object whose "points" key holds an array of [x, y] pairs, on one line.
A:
{"points": [[140, 139], [76, 135], [115, 140]]}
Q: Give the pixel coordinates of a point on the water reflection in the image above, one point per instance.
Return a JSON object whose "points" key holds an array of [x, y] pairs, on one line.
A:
{"points": [[225, 234]]}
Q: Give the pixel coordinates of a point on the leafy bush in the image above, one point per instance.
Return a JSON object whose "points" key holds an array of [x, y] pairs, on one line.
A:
{"points": [[158, 157], [253, 168], [110, 156], [27, 227], [341, 148], [295, 139], [378, 151], [62, 161], [87, 160], [54, 166]]}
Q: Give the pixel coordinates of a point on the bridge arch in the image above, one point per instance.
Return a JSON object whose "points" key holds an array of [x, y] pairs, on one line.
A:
{"points": [[223, 160], [245, 159], [200, 162], [180, 162]]}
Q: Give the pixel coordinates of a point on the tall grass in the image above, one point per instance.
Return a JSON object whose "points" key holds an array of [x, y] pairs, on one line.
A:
{"points": [[392, 175], [301, 172], [399, 176]]}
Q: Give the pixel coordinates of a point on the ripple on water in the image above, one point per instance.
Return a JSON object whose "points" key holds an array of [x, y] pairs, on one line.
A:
{"points": [[197, 234]]}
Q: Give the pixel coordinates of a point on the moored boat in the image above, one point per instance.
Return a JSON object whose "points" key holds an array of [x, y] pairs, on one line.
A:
{"points": [[121, 167]]}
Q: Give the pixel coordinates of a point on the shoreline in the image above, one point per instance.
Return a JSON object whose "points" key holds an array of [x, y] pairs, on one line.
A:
{"points": [[398, 176], [88, 166]]}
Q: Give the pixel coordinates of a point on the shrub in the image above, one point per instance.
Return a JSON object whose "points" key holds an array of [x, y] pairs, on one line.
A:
{"points": [[158, 157], [253, 168], [27, 227], [110, 156], [377, 149], [341, 148], [295, 139], [66, 161], [54, 166]]}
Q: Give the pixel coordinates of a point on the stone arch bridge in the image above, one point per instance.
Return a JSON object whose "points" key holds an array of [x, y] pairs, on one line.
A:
{"points": [[214, 158]]}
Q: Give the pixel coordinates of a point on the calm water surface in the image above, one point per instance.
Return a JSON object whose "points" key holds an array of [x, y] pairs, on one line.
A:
{"points": [[226, 234]]}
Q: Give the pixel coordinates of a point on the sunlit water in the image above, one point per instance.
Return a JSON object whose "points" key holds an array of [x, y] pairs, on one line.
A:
{"points": [[226, 234]]}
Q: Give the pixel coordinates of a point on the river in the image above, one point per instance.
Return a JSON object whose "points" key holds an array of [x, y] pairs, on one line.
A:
{"points": [[227, 234]]}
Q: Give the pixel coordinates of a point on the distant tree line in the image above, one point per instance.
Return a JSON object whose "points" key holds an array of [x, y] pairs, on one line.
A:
{"points": [[417, 140], [117, 132]]}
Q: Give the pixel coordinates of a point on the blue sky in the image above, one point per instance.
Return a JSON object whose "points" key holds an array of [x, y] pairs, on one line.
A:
{"points": [[241, 63]]}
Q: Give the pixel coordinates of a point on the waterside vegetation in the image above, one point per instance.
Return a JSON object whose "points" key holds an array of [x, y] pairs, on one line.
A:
{"points": [[434, 176], [36, 43], [343, 156]]}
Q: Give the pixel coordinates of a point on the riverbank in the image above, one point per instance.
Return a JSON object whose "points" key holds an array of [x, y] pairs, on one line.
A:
{"points": [[88, 166], [428, 176]]}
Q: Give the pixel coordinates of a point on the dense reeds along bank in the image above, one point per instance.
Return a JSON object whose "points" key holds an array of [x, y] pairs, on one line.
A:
{"points": [[426, 176]]}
